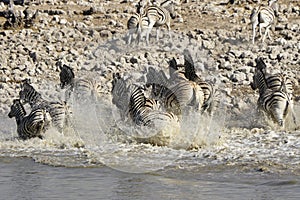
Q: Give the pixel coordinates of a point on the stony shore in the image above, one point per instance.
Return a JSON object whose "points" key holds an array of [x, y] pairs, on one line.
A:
{"points": [[71, 32]]}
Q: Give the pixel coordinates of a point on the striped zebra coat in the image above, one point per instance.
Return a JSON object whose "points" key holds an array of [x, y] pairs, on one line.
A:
{"points": [[149, 16], [59, 111], [32, 125], [274, 94], [264, 17], [81, 89], [145, 112]]}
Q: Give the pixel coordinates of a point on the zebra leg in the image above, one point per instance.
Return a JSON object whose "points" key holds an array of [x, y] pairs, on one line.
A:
{"points": [[268, 32], [157, 34], [254, 24]]}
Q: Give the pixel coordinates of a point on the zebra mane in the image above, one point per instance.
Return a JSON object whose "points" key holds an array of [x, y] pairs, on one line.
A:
{"points": [[17, 107]]}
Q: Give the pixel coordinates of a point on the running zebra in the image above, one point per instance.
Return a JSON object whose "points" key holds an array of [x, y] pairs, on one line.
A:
{"points": [[120, 94], [58, 111], [187, 72], [264, 17], [32, 125], [207, 88], [175, 95], [262, 80], [143, 111], [275, 97], [66, 76], [82, 89], [277, 105]]}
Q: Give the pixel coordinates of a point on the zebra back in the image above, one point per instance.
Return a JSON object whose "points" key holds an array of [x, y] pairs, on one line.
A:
{"points": [[144, 111]]}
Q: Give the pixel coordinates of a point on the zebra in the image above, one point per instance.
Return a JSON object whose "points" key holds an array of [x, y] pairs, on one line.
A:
{"points": [[160, 16], [137, 22], [81, 88], [120, 94], [144, 111], [274, 94], [150, 15], [32, 125], [207, 88], [66, 76], [187, 72], [262, 80], [264, 17], [276, 104], [59, 111], [175, 96]]}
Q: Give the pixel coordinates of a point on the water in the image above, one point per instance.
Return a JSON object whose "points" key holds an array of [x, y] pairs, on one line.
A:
{"points": [[236, 163], [21, 178]]}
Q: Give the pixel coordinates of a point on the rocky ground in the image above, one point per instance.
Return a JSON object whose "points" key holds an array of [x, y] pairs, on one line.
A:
{"points": [[71, 31]]}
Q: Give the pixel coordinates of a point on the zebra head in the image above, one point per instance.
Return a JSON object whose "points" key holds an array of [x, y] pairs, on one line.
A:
{"points": [[28, 94], [66, 76], [17, 110], [259, 78], [274, 5], [169, 5]]}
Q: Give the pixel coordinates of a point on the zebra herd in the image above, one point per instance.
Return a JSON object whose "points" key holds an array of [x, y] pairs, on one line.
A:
{"points": [[163, 97], [43, 115], [167, 97], [149, 15]]}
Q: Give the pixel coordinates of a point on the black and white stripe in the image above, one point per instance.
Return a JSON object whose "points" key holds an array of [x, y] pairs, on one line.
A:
{"points": [[264, 17], [58, 111], [32, 125], [275, 93], [276, 104], [82, 89], [144, 111], [160, 16], [207, 88]]}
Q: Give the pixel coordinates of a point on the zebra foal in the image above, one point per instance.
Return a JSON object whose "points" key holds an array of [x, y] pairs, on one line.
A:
{"points": [[32, 125]]}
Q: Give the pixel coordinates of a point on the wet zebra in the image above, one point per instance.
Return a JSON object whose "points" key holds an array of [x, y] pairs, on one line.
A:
{"points": [[120, 94], [82, 89], [276, 104], [186, 72], [175, 95], [66, 76], [32, 125], [144, 111], [262, 80], [264, 17], [275, 94], [207, 88], [59, 111]]}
